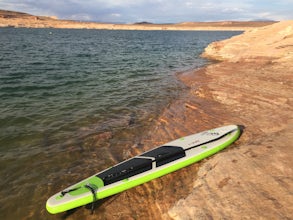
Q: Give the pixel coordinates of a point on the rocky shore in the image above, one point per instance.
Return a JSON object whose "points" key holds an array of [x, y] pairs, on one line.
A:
{"points": [[253, 178], [250, 83], [23, 20], [252, 86]]}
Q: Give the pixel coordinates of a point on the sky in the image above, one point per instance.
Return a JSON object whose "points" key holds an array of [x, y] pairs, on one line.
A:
{"points": [[155, 11]]}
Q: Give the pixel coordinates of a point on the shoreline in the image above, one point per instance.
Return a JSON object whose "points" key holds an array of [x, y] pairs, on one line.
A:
{"points": [[257, 167], [253, 92], [124, 27], [252, 87], [23, 20]]}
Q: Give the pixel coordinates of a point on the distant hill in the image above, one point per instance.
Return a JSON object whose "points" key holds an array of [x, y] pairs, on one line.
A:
{"points": [[229, 23], [21, 15], [13, 14], [25, 20], [143, 23]]}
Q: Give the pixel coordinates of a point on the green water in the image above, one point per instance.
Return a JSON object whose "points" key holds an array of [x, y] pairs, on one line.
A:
{"points": [[61, 90]]}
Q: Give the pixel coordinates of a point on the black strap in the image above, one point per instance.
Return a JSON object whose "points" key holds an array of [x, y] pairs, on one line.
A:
{"points": [[93, 191], [63, 193]]}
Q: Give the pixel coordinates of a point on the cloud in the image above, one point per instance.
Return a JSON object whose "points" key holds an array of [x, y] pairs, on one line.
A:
{"points": [[81, 17], [116, 15], [159, 11]]}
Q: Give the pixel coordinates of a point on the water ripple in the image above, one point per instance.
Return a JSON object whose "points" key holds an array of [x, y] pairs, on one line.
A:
{"points": [[59, 90]]}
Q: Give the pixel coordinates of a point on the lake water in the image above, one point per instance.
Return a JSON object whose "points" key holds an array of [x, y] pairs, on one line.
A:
{"points": [[71, 98]]}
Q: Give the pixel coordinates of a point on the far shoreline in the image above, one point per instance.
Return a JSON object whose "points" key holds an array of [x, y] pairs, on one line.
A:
{"points": [[126, 27], [11, 19]]}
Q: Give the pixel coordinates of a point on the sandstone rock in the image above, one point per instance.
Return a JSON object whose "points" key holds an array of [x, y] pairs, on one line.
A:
{"points": [[271, 42], [253, 180]]}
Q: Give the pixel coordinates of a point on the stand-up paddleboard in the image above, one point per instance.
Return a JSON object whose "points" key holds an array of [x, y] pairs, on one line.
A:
{"points": [[143, 168]]}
